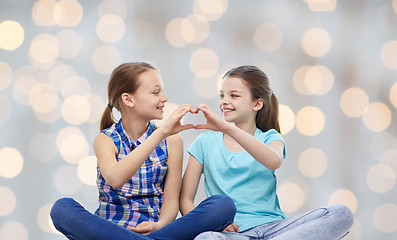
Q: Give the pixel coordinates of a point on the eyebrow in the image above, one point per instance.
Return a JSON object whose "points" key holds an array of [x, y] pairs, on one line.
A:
{"points": [[232, 91]]}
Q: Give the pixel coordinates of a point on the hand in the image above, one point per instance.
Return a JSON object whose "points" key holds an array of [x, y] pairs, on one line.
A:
{"points": [[144, 228], [173, 124], [231, 228], [214, 122]]}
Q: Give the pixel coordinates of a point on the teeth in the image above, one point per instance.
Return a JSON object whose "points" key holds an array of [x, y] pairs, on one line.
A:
{"points": [[227, 110]]}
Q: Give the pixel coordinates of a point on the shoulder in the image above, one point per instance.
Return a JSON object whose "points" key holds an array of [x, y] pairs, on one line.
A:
{"points": [[205, 136], [175, 139], [268, 136]]}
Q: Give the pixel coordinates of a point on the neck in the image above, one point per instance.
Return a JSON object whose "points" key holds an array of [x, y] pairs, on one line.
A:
{"points": [[133, 126], [249, 127]]}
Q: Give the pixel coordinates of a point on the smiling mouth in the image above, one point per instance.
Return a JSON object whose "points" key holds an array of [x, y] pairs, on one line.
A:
{"points": [[227, 110]]}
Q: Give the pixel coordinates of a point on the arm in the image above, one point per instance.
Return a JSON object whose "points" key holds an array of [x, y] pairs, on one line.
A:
{"points": [[173, 180], [170, 207], [190, 182], [271, 156], [118, 173]]}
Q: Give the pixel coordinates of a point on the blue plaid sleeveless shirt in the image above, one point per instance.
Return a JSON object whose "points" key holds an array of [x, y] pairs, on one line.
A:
{"points": [[141, 197]]}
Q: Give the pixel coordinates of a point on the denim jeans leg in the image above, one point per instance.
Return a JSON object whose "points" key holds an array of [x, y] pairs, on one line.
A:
{"points": [[76, 223], [328, 223], [213, 214]]}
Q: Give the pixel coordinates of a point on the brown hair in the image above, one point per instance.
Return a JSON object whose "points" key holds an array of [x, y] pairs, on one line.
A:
{"points": [[259, 86], [124, 79]]}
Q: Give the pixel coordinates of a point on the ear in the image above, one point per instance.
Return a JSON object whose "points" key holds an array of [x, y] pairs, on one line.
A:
{"points": [[258, 105], [127, 99]]}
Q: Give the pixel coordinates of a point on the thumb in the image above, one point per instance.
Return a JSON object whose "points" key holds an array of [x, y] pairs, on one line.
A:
{"points": [[201, 126]]}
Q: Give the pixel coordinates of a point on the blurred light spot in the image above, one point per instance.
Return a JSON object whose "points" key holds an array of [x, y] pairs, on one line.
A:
{"points": [[110, 28], [169, 108], [140, 33], [286, 118], [7, 201], [72, 145], [43, 12], [394, 3], [381, 178], [204, 62], [316, 42], [385, 217], [319, 80], [393, 95], [59, 74], [42, 147], [390, 157], [321, 5], [86, 170], [116, 7], [12, 35], [288, 191], [69, 43], [105, 59], [76, 110], [299, 80], [179, 32], [354, 102], [201, 27], [345, 197], [66, 180], [43, 98], [75, 85], [381, 143], [68, 13], [22, 87], [11, 162], [388, 55], [6, 109], [13, 230], [97, 106], [268, 37], [44, 48], [310, 121], [377, 117], [211, 9], [51, 116], [5, 75], [313, 162], [205, 87], [44, 220]]}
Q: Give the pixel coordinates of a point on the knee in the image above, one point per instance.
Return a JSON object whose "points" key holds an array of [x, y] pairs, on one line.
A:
{"points": [[343, 214], [60, 208], [224, 202]]}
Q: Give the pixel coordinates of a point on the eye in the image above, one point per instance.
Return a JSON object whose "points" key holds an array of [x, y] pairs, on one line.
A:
{"points": [[221, 95], [234, 95]]}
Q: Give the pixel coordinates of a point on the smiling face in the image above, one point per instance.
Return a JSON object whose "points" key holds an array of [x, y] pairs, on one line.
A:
{"points": [[237, 104], [149, 99]]}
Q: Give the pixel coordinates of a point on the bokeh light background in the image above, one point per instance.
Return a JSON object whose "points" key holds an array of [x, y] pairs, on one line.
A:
{"points": [[332, 64]]}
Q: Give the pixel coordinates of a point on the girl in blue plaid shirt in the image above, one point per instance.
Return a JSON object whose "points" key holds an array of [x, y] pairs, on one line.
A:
{"points": [[139, 170]]}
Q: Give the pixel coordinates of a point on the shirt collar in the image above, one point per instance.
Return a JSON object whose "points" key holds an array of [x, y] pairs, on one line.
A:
{"points": [[124, 137]]}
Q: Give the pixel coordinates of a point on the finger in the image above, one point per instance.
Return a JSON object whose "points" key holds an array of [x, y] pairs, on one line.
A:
{"points": [[201, 126], [187, 126], [235, 227]]}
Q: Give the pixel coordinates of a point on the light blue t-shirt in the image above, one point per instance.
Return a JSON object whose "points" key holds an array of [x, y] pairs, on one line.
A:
{"points": [[238, 175]]}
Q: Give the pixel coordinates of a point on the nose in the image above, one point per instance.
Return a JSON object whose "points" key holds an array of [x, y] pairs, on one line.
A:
{"points": [[163, 97]]}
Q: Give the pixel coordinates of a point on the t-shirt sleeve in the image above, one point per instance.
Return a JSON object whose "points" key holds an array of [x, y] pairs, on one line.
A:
{"points": [[196, 148], [273, 135]]}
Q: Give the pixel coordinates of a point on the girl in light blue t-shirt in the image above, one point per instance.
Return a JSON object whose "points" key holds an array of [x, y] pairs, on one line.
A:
{"points": [[239, 159]]}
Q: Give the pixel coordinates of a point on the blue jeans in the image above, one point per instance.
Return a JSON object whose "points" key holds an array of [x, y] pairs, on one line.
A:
{"points": [[330, 222], [75, 222]]}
